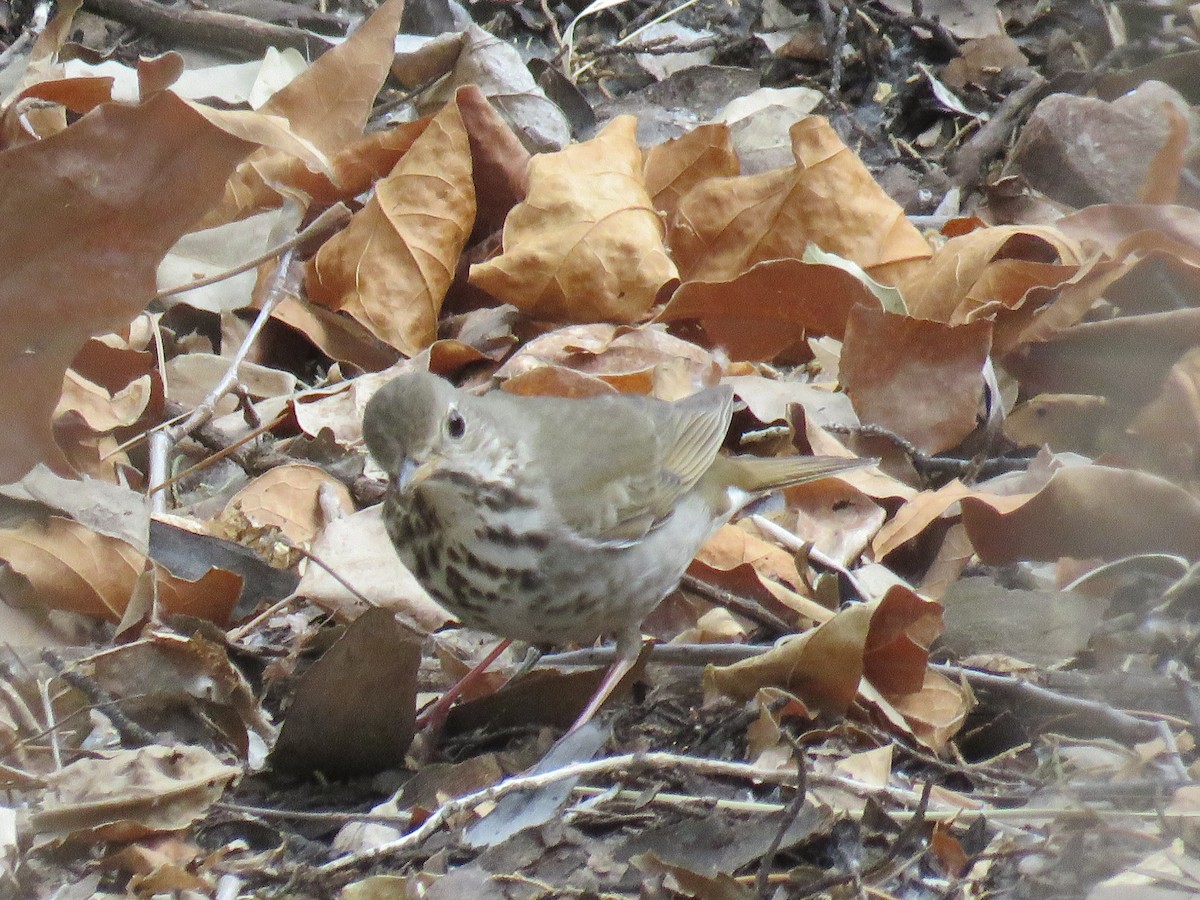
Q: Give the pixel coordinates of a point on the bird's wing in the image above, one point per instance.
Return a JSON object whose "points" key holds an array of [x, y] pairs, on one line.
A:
{"points": [[618, 473]]}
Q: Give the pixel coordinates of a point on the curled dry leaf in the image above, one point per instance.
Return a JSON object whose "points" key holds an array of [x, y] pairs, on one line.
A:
{"points": [[130, 793], [822, 667], [644, 360], [391, 266], [586, 245], [100, 410], [932, 714], [287, 498], [744, 563], [1086, 511], [74, 568], [988, 271], [327, 107], [339, 337], [498, 70], [887, 640], [724, 226]]}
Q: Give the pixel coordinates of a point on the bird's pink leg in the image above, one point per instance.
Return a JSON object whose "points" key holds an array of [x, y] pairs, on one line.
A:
{"points": [[629, 645], [435, 716]]}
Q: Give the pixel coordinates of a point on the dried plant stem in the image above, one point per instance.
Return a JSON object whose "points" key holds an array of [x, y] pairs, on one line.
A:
{"points": [[327, 221], [616, 764], [161, 442]]}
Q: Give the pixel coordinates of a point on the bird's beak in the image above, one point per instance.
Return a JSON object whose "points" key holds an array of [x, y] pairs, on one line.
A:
{"points": [[413, 473]]}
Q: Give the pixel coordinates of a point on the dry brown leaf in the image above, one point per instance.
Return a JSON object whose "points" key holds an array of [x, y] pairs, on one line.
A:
{"points": [[338, 337], [823, 666], [1162, 177], [99, 409], [988, 271], [936, 711], [904, 626], [557, 381], [1062, 422], [916, 515], [74, 568], [769, 307], [130, 793], [921, 379], [365, 685], [644, 360], [189, 671], [497, 68], [724, 226], [500, 163], [1169, 426], [834, 516], [586, 245], [330, 101], [327, 106], [1086, 511], [287, 498], [256, 184], [55, 235], [745, 564], [675, 167], [1124, 360], [358, 547], [391, 266], [886, 642]]}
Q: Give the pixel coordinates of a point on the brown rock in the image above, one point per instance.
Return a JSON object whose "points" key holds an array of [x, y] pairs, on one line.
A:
{"points": [[1081, 150]]}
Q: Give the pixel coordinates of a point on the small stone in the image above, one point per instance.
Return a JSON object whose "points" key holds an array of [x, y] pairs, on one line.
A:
{"points": [[1082, 150]]}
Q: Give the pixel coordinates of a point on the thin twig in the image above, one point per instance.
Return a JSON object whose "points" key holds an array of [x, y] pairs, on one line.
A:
{"points": [[131, 732], [789, 817], [162, 442], [51, 726], [220, 454], [741, 605], [795, 545], [326, 221], [614, 764]]}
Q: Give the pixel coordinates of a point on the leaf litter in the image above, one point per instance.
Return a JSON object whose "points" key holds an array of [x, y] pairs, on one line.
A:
{"points": [[907, 679]]}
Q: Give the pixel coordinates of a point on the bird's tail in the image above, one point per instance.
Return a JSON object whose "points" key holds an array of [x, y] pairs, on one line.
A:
{"points": [[757, 475]]}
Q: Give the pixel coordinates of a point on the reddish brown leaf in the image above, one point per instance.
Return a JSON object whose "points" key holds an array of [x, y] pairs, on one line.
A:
{"points": [[87, 216], [1083, 512], [921, 379], [770, 307]]}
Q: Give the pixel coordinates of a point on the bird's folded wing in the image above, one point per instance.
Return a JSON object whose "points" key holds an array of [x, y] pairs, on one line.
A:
{"points": [[621, 476]]}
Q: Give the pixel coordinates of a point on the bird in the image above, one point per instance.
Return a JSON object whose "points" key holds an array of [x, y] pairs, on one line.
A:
{"points": [[554, 520]]}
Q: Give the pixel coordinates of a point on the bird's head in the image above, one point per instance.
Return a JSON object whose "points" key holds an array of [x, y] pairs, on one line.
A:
{"points": [[418, 426]]}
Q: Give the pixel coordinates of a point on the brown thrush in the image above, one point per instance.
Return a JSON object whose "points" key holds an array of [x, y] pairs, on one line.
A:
{"points": [[552, 521]]}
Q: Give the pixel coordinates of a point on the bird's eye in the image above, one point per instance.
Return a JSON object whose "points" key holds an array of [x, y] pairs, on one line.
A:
{"points": [[456, 425]]}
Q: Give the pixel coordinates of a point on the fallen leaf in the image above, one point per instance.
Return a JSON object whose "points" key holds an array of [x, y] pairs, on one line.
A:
{"points": [[586, 245], [405, 242]]}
